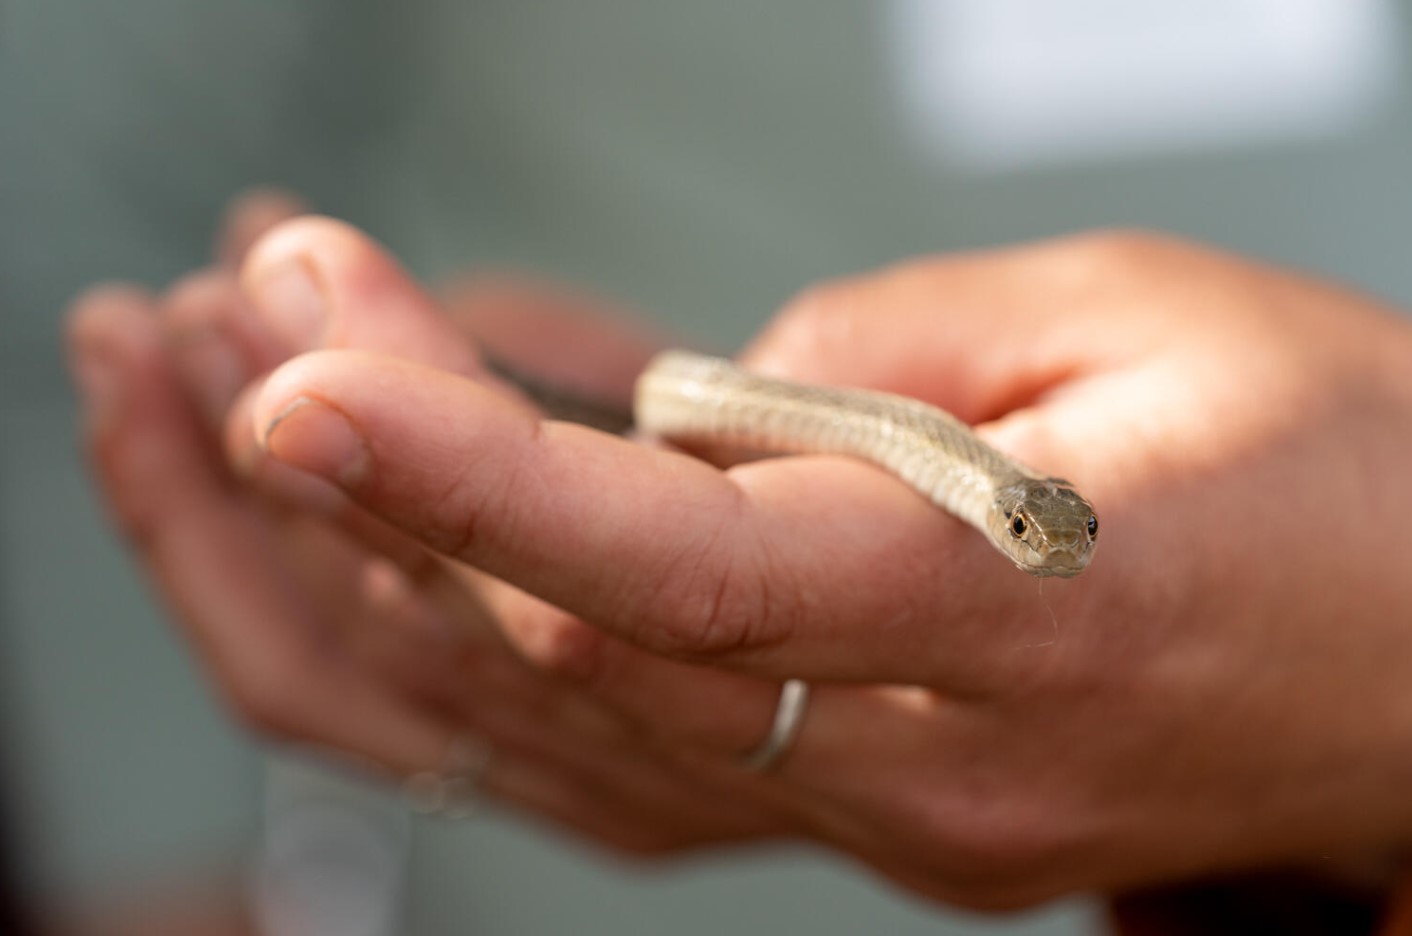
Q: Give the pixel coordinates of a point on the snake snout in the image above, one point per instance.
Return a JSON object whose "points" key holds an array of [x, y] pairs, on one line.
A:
{"points": [[1065, 553]]}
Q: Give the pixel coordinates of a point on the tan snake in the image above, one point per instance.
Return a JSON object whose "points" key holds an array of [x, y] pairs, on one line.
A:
{"points": [[1040, 523]]}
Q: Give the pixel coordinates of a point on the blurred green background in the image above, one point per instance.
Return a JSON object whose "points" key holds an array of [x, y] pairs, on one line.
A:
{"points": [[700, 161]]}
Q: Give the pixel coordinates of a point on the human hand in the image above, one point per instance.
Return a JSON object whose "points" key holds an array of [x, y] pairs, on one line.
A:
{"points": [[1223, 688], [321, 625]]}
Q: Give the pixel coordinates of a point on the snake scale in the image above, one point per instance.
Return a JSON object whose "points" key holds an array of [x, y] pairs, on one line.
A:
{"points": [[1039, 523]]}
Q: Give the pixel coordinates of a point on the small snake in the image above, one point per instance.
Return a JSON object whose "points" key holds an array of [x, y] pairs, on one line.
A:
{"points": [[1040, 523]]}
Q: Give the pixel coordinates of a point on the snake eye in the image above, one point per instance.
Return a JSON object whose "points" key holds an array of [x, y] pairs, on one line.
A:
{"points": [[1092, 526], [1018, 525]]}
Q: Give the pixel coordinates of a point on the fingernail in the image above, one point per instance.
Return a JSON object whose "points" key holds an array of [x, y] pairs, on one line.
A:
{"points": [[293, 302], [316, 438], [96, 374], [213, 369]]}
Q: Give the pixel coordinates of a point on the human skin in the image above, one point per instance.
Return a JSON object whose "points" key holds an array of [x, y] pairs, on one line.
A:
{"points": [[1223, 688]]}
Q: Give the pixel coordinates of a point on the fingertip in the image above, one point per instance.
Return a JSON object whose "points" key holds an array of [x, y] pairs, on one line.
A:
{"points": [[307, 238], [286, 286], [248, 460], [298, 421], [110, 329], [248, 216], [199, 300], [318, 439], [319, 282], [200, 319], [295, 379], [104, 312]]}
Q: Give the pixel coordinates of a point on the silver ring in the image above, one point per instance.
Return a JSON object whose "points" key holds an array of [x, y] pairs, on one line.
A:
{"points": [[451, 792], [789, 717]]}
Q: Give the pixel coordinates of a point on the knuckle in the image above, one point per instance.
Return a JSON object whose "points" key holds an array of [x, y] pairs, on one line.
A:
{"points": [[559, 643], [708, 623], [458, 510], [486, 505], [721, 605], [817, 319]]}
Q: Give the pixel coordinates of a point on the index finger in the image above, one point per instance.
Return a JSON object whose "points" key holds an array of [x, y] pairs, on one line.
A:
{"points": [[815, 567]]}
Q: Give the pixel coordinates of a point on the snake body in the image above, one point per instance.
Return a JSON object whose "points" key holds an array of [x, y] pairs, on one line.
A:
{"points": [[1040, 523]]}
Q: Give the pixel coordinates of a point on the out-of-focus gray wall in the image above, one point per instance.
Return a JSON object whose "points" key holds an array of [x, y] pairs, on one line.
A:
{"points": [[702, 161]]}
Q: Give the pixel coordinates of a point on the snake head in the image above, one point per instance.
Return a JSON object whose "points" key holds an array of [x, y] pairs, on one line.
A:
{"points": [[1044, 526]]}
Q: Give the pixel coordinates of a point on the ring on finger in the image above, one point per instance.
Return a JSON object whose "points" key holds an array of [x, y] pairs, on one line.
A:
{"points": [[789, 718]]}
